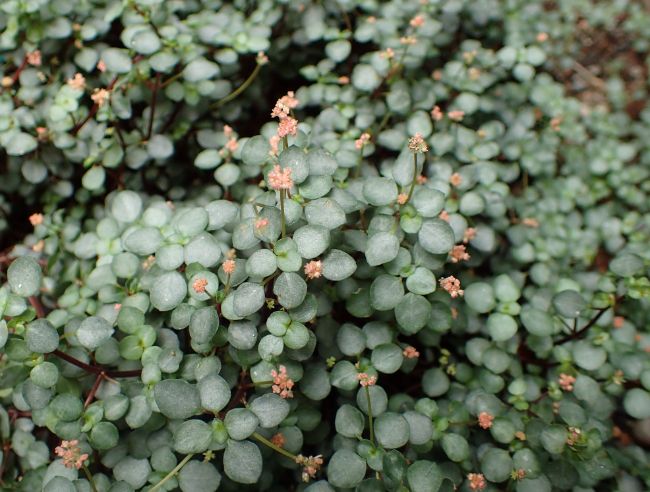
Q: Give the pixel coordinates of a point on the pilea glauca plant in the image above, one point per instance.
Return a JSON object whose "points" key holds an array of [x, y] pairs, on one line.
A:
{"points": [[324, 246]]}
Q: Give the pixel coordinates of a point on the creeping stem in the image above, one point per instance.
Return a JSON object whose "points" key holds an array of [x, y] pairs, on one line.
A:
{"points": [[370, 424], [282, 220], [266, 442], [415, 178], [171, 473]]}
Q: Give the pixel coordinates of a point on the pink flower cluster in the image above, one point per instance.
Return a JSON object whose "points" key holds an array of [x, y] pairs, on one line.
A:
{"points": [[417, 144], [314, 269], [459, 253], [485, 420], [362, 140], [411, 352], [229, 266], [566, 382], [71, 454], [199, 285], [310, 465], [284, 105], [452, 285], [366, 380], [280, 179], [476, 481], [282, 383]]}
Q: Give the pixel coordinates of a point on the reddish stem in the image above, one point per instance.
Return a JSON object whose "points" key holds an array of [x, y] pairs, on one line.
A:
{"points": [[96, 369], [38, 307], [93, 110], [152, 113], [93, 390]]}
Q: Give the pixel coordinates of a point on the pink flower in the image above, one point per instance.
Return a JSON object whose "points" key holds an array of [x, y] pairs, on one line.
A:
{"points": [[469, 234], [229, 266], [444, 215], [618, 321], [261, 58], [458, 253], [232, 145], [476, 481], [388, 53], [417, 21], [199, 285], [227, 131], [437, 114], [310, 465], [408, 40], [417, 144], [485, 420], [284, 105], [402, 198], [410, 352], [280, 179], [77, 82], [36, 219], [421, 179], [542, 37], [566, 382], [314, 269], [261, 223], [530, 222], [99, 96], [362, 140], [288, 126], [101, 65], [117, 306], [34, 58], [344, 80], [278, 439], [282, 383], [456, 115], [274, 141], [452, 285], [71, 454], [455, 179], [366, 380]]}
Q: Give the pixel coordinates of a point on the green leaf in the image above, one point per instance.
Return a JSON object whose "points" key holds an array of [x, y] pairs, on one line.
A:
{"points": [[117, 60], [387, 358], [94, 178], [290, 289], [422, 282], [145, 42], [338, 265], [588, 356], [536, 321], [270, 409], [214, 392], [386, 291], [321, 163], [24, 276], [379, 191], [627, 265], [424, 476], [199, 475], [346, 469], [569, 303], [168, 291], [378, 400], [365, 78], [455, 447], [311, 241], [134, 472], [192, 436], [436, 236], [104, 435], [241, 423], [382, 247], [256, 151], [349, 421], [20, 144], [501, 327], [637, 403], [480, 297], [200, 69], [93, 331], [496, 465], [392, 430], [242, 462], [126, 206], [325, 212], [177, 399], [41, 337], [248, 299], [412, 313]]}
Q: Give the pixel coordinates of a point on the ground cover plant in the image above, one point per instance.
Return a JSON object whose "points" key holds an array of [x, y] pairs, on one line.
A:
{"points": [[324, 246]]}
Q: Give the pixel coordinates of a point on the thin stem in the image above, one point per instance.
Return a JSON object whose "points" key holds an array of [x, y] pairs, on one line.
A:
{"points": [[226, 289], [152, 112], [415, 178], [370, 424], [96, 369], [282, 220], [38, 307], [268, 443], [176, 469], [239, 89], [94, 389], [89, 476]]}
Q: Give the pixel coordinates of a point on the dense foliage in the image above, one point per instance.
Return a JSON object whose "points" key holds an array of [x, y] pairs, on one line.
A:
{"points": [[425, 267]]}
